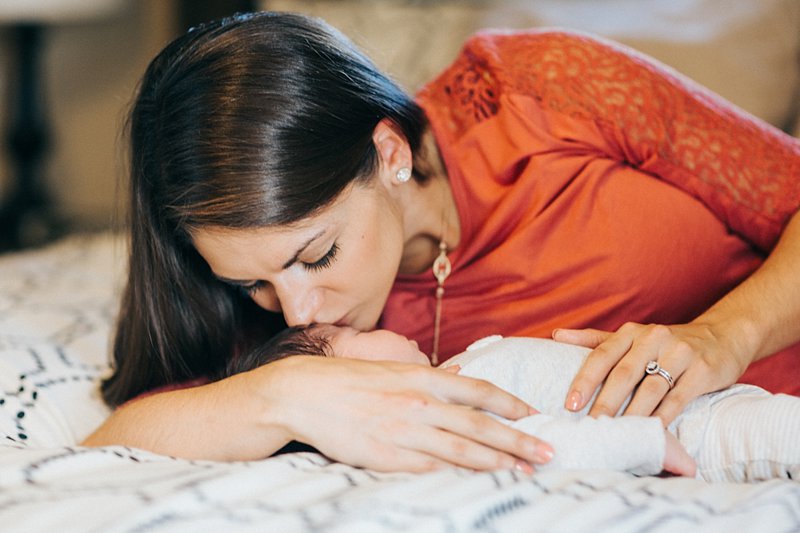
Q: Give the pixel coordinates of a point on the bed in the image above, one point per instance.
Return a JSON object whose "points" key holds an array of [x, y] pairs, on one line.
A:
{"points": [[57, 307]]}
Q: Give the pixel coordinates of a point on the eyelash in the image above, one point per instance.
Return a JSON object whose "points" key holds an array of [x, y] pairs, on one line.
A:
{"points": [[325, 261], [250, 290], [322, 263]]}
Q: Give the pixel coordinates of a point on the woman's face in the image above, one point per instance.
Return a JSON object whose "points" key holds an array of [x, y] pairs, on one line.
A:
{"points": [[376, 345], [335, 267]]}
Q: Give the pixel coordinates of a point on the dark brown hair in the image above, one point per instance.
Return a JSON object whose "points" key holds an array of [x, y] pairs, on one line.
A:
{"points": [[295, 340], [251, 121]]}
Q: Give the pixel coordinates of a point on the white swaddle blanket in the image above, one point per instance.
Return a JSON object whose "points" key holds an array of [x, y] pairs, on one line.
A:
{"points": [[742, 433]]}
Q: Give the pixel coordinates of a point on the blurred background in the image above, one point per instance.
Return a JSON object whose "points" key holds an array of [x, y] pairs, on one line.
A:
{"points": [[69, 68]]}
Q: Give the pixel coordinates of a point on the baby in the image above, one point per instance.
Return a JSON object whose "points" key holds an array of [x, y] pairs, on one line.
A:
{"points": [[742, 433]]}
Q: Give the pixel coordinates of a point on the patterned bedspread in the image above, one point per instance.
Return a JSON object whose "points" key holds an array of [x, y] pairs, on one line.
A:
{"points": [[56, 309]]}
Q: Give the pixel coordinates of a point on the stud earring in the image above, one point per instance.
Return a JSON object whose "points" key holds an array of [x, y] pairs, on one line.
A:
{"points": [[403, 175]]}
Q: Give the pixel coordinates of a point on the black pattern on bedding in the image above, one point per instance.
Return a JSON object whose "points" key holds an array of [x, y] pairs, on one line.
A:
{"points": [[56, 314]]}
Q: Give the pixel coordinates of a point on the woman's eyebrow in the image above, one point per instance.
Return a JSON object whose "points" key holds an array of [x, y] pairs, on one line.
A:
{"points": [[294, 258], [286, 265]]}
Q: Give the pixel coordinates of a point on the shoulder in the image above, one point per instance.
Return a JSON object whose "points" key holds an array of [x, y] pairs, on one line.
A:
{"points": [[539, 51], [562, 70], [538, 62], [535, 41]]}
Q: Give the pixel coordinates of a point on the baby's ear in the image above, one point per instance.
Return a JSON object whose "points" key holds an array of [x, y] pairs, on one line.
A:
{"points": [[453, 369]]}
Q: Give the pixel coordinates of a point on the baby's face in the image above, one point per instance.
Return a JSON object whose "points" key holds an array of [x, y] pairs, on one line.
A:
{"points": [[377, 345]]}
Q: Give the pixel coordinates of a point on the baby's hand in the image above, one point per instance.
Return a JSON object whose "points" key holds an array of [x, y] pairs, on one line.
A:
{"points": [[676, 459]]}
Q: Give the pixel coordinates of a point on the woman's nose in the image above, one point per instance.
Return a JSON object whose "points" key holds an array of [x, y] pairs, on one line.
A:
{"points": [[300, 304]]}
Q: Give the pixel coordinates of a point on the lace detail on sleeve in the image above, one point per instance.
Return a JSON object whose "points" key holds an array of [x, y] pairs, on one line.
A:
{"points": [[746, 171]]}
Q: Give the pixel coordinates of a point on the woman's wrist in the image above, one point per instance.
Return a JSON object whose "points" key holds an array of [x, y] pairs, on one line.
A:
{"points": [[738, 335], [287, 393], [762, 314], [271, 396]]}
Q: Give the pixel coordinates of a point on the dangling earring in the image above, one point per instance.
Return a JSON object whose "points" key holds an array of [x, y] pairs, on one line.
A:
{"points": [[403, 175]]}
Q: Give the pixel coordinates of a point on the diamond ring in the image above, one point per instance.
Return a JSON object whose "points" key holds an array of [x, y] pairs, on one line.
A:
{"points": [[654, 368]]}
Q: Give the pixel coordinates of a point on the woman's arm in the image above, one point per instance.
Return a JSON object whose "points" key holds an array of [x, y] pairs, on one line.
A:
{"points": [[379, 415], [756, 319], [226, 420], [746, 172]]}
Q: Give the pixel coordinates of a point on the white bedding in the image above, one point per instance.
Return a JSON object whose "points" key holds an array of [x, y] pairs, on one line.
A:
{"points": [[56, 310]]}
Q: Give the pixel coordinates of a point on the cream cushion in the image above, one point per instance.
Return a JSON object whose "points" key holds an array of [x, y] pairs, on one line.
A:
{"points": [[747, 51]]}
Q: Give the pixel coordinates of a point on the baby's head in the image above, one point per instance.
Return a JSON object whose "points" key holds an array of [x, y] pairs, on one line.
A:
{"points": [[375, 345], [329, 341]]}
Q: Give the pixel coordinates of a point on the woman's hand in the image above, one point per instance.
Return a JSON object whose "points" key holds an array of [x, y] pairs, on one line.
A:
{"points": [[755, 319], [392, 416], [387, 416], [698, 361]]}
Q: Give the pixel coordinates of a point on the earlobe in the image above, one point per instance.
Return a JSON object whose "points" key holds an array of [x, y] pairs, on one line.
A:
{"points": [[394, 153]]}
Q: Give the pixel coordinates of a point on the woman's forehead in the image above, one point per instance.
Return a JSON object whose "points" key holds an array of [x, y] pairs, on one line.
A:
{"points": [[215, 237], [342, 211], [300, 229]]}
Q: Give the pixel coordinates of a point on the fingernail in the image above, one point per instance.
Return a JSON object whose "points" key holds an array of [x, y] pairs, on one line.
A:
{"points": [[544, 453], [532, 411], [575, 399], [523, 468]]}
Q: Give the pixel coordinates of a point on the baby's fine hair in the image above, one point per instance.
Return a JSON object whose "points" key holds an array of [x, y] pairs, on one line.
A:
{"points": [[295, 340]]}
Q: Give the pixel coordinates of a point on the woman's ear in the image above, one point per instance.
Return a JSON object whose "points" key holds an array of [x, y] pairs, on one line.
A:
{"points": [[394, 153]]}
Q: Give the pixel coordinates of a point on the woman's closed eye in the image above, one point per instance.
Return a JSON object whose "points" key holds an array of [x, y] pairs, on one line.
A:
{"points": [[250, 289], [324, 261]]}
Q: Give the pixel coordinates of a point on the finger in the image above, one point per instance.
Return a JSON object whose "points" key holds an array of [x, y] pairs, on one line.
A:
{"points": [[473, 439], [653, 388], [453, 369], [590, 338], [406, 460], [686, 389], [648, 345], [647, 397], [622, 381], [595, 370], [482, 395], [457, 450], [675, 358]]}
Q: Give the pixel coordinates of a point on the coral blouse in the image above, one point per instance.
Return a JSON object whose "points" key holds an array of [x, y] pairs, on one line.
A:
{"points": [[594, 187]]}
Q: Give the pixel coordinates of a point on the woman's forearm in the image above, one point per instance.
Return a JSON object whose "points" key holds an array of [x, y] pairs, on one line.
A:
{"points": [[377, 414], [762, 315], [227, 420], [758, 318]]}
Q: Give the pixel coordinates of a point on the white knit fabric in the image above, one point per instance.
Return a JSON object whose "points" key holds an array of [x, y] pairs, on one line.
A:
{"points": [[742, 433]]}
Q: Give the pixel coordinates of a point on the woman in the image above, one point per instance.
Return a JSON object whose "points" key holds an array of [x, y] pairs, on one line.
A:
{"points": [[273, 165]]}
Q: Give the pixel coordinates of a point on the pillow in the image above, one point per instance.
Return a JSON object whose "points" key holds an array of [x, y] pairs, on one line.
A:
{"points": [[745, 51]]}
